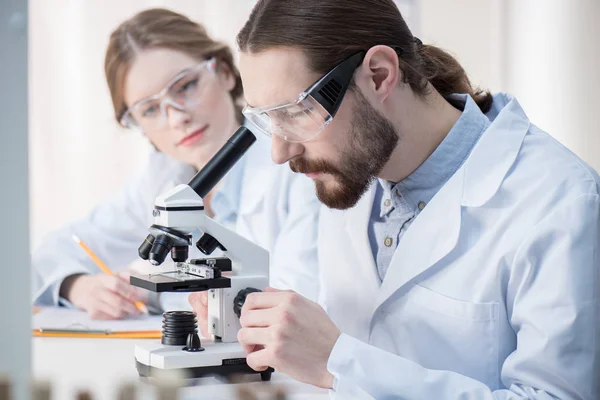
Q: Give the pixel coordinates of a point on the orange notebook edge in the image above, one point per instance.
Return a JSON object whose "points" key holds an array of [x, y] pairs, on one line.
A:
{"points": [[113, 335]]}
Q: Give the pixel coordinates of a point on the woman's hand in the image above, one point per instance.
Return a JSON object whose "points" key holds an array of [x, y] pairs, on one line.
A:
{"points": [[104, 296]]}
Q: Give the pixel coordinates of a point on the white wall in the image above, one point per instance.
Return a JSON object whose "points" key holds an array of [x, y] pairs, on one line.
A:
{"points": [[553, 67], [544, 52], [471, 30], [15, 308]]}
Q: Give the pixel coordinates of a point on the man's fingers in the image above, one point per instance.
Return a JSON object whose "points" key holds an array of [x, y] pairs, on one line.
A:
{"points": [[204, 330], [199, 308], [253, 336], [273, 290], [258, 300], [258, 318], [193, 299], [203, 296], [258, 360], [249, 348], [198, 299], [199, 303]]}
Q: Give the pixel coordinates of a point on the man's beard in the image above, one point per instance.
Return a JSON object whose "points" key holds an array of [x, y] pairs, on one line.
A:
{"points": [[370, 143]]}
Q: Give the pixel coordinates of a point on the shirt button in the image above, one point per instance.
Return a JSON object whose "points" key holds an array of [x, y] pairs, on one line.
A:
{"points": [[387, 203], [388, 241], [421, 205]]}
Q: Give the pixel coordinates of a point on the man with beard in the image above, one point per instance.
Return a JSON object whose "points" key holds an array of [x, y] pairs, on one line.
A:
{"points": [[458, 253]]}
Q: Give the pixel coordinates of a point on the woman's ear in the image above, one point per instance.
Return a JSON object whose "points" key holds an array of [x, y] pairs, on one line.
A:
{"points": [[381, 71], [226, 76]]}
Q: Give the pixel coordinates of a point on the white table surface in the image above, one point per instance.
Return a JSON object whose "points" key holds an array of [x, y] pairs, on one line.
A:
{"points": [[101, 365]]}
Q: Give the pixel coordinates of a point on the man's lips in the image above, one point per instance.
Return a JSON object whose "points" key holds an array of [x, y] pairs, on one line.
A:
{"points": [[313, 175], [192, 137]]}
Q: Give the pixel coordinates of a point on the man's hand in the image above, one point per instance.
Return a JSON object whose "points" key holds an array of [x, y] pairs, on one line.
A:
{"points": [[290, 333], [199, 303], [104, 296]]}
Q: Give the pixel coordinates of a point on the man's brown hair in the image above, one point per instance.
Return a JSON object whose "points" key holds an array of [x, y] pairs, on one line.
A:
{"points": [[329, 31]]}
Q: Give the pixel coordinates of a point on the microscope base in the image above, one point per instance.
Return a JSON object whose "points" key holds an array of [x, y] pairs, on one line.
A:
{"points": [[222, 359]]}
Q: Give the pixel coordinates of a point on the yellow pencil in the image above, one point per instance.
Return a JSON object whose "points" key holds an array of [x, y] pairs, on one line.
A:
{"points": [[141, 306]]}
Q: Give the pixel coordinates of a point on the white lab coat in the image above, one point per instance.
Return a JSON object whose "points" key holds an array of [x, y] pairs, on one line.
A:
{"points": [[492, 292], [278, 210]]}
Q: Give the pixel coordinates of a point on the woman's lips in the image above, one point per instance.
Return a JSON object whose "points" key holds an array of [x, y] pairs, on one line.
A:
{"points": [[193, 137]]}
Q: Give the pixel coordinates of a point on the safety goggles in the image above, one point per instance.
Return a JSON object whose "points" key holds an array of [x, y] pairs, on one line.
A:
{"points": [[314, 109], [184, 93]]}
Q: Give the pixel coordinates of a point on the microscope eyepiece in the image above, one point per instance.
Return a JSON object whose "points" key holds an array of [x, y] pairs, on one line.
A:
{"points": [[160, 249], [221, 163]]}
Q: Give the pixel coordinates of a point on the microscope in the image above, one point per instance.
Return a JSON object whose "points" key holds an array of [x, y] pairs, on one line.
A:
{"points": [[243, 268]]}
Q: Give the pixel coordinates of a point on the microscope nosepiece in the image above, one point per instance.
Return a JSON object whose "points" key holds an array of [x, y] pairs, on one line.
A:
{"points": [[146, 247], [160, 249]]}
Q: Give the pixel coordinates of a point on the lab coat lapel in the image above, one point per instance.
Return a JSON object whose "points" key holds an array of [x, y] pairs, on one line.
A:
{"points": [[432, 235], [356, 223], [436, 231]]}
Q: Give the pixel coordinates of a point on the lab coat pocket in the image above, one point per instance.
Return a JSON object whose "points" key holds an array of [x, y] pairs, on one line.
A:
{"points": [[443, 333]]}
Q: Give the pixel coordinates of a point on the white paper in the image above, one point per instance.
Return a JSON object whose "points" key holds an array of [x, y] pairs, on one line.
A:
{"points": [[66, 318]]}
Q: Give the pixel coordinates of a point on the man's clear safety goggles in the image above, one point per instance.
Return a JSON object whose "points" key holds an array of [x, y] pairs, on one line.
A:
{"points": [[305, 118]]}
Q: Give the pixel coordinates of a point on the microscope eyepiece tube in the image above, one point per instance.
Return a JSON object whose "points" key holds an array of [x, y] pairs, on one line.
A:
{"points": [[221, 163]]}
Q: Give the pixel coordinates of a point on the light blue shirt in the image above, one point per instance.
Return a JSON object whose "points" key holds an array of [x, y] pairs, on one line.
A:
{"points": [[396, 205]]}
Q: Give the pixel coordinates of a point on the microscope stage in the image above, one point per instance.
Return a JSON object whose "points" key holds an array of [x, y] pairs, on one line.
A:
{"points": [[166, 282], [224, 359]]}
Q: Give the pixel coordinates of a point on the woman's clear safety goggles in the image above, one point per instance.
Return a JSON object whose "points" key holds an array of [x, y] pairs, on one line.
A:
{"points": [[183, 93], [314, 109]]}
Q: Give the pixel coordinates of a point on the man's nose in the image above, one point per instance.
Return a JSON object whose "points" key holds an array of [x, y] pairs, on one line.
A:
{"points": [[283, 151]]}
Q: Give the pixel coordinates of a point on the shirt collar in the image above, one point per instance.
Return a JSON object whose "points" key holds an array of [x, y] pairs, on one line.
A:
{"points": [[420, 186]]}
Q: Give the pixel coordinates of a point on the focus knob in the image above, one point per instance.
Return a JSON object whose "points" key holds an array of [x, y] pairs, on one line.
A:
{"points": [[240, 299], [192, 344]]}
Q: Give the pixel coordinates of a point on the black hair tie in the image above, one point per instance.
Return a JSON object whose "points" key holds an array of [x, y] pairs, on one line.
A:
{"points": [[418, 42]]}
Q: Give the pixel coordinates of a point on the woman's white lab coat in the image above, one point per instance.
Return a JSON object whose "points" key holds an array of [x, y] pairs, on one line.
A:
{"points": [[492, 292], [277, 210]]}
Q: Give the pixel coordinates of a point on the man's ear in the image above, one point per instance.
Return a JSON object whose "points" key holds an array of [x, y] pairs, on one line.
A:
{"points": [[381, 71]]}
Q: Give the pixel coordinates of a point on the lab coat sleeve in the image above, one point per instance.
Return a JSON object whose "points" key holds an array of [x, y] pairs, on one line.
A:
{"points": [[294, 255], [113, 230], [553, 307]]}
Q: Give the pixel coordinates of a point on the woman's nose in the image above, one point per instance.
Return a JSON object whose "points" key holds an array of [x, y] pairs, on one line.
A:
{"points": [[177, 118]]}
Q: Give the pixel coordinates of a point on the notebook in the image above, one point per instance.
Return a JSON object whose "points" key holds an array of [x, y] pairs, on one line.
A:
{"points": [[67, 322]]}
